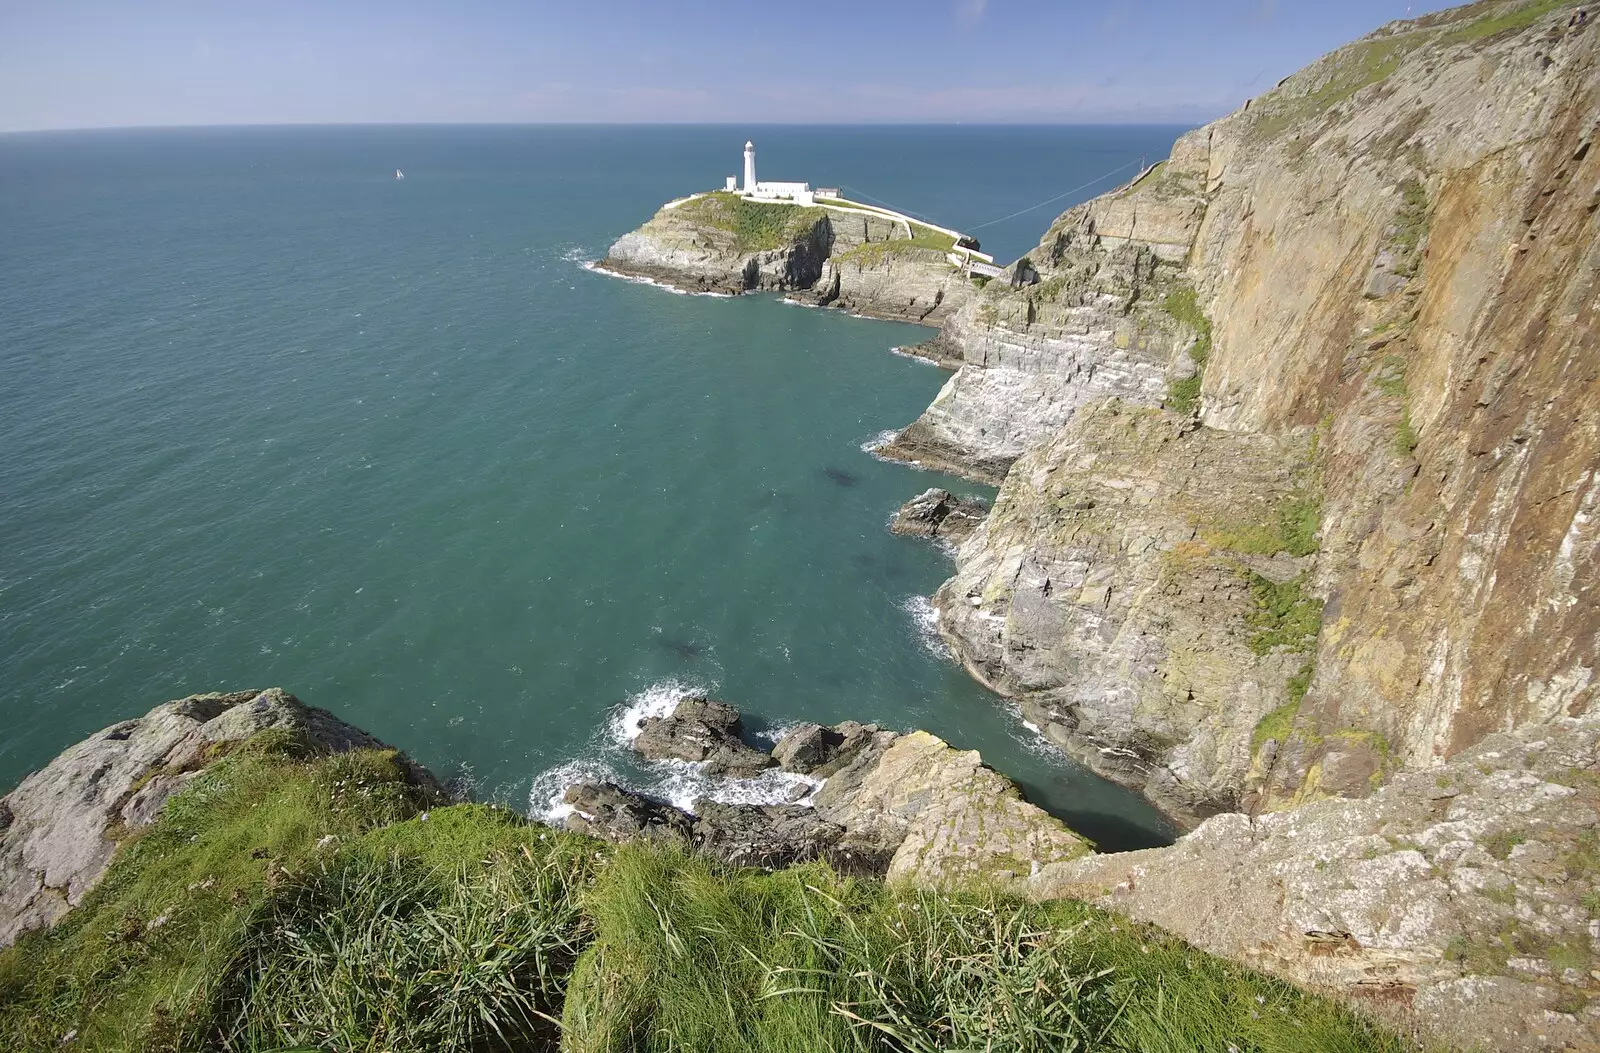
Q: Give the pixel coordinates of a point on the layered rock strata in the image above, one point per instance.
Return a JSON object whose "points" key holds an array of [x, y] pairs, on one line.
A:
{"points": [[60, 827], [1111, 589], [1459, 901], [1077, 320], [824, 255], [1374, 290], [939, 514]]}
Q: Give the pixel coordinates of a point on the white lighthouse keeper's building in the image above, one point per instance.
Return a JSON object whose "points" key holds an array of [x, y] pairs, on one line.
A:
{"points": [[799, 193]]}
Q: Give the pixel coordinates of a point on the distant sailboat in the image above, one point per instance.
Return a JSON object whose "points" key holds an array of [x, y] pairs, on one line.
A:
{"points": [[399, 174]]}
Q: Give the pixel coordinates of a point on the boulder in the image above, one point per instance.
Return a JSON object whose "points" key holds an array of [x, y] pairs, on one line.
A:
{"points": [[607, 811], [704, 732], [763, 835], [814, 749], [60, 827], [939, 513], [942, 814]]}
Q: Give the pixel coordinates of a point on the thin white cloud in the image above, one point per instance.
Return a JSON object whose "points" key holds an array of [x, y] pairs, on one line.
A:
{"points": [[970, 12]]}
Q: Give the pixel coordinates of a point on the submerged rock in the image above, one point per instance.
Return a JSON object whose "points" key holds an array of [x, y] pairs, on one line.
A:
{"points": [[704, 732], [60, 827], [939, 513]]}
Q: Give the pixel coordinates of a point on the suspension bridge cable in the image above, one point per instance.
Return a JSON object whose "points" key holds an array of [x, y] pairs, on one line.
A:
{"points": [[1058, 197]]}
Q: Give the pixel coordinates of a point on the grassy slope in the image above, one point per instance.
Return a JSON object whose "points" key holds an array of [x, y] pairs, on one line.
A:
{"points": [[286, 900]]}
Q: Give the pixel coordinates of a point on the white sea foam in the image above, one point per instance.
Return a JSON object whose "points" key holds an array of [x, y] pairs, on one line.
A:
{"points": [[544, 796], [907, 353], [657, 700], [925, 617], [682, 784], [639, 279], [879, 441]]}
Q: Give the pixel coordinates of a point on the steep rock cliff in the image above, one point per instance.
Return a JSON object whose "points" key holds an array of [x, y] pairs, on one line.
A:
{"points": [[1384, 272], [827, 255]]}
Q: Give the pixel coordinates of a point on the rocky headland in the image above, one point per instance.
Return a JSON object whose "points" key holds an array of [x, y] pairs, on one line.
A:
{"points": [[824, 254], [1296, 439], [1297, 433]]}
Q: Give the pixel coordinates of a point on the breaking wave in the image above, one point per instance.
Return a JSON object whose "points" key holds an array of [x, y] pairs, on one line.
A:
{"points": [[680, 783], [925, 619]]}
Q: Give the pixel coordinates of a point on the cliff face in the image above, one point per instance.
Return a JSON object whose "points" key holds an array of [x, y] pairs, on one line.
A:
{"points": [[1364, 536], [834, 256], [1458, 901]]}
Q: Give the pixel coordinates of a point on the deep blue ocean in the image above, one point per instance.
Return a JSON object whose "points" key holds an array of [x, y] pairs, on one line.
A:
{"points": [[269, 416]]}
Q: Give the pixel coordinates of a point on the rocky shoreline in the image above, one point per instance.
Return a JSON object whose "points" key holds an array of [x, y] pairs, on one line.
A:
{"points": [[818, 255], [900, 806]]}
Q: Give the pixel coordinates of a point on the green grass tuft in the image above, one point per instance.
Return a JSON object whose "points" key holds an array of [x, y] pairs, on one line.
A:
{"points": [[1293, 529], [1183, 305], [1284, 615], [757, 226], [308, 901], [1520, 18], [690, 956], [1275, 725]]}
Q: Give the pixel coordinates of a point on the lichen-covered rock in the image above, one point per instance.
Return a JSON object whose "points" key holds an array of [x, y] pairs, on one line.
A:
{"points": [[941, 514], [703, 732], [768, 835], [820, 751], [947, 818], [65, 820], [906, 806], [1115, 591], [1461, 899], [1387, 262]]}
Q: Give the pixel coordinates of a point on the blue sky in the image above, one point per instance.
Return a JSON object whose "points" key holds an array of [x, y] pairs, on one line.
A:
{"points": [[100, 63]]}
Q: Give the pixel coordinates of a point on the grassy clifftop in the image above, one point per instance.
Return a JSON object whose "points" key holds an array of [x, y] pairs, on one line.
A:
{"points": [[287, 900]]}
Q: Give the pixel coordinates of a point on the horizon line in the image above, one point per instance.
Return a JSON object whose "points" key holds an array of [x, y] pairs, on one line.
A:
{"points": [[1086, 123]]}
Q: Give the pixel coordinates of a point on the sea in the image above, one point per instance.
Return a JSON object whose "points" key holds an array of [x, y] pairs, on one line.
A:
{"points": [[270, 415]]}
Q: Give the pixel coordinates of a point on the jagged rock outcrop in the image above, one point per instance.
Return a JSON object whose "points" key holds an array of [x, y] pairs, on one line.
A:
{"points": [[908, 807], [1385, 271], [1459, 900], [941, 514], [703, 732], [820, 751], [611, 813], [826, 255], [1078, 320], [1116, 590], [948, 818], [63, 822]]}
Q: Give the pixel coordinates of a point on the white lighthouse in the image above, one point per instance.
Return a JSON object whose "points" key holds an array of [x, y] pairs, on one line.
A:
{"points": [[790, 193]]}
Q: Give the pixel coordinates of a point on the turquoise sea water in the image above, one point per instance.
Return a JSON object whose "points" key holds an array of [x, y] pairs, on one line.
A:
{"points": [[270, 417]]}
